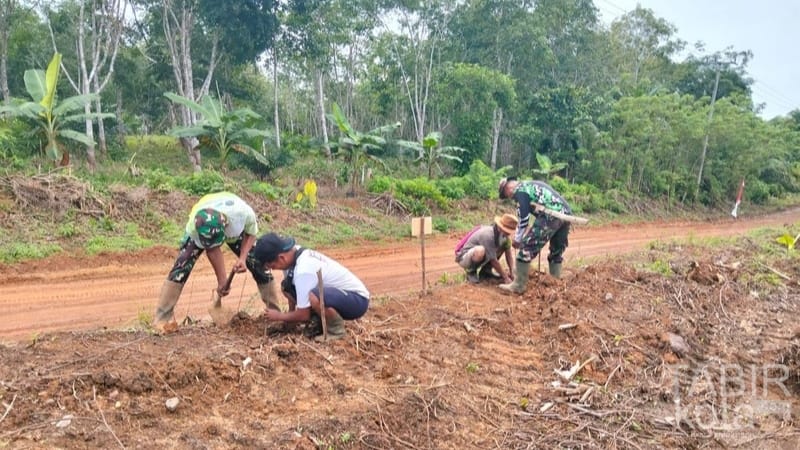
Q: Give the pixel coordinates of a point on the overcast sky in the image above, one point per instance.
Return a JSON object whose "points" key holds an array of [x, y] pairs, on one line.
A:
{"points": [[768, 28]]}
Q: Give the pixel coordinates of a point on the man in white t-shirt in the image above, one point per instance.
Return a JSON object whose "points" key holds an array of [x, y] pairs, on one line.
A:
{"points": [[346, 297], [216, 219]]}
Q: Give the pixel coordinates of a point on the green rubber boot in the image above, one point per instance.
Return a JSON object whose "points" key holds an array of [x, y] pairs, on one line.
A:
{"points": [[520, 280], [555, 269], [165, 318], [335, 329]]}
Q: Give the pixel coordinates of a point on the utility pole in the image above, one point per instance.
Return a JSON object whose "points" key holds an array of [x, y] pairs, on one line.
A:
{"points": [[708, 129]]}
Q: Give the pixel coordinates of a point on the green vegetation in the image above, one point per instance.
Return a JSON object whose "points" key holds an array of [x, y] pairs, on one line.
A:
{"points": [[19, 251], [127, 240], [609, 115]]}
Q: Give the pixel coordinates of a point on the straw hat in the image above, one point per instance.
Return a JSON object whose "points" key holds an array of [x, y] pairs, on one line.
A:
{"points": [[507, 223]]}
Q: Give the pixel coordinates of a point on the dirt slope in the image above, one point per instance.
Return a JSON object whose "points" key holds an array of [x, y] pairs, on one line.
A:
{"points": [[112, 290]]}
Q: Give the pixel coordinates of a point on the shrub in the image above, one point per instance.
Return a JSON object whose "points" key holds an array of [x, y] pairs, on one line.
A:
{"points": [[269, 191], [201, 183], [757, 191]]}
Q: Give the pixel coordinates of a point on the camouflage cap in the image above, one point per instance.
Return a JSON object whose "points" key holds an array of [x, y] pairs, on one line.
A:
{"points": [[210, 226], [501, 187]]}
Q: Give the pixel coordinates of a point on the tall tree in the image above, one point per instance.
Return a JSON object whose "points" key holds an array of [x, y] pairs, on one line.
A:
{"points": [[7, 8], [642, 47], [415, 51], [471, 94], [98, 27]]}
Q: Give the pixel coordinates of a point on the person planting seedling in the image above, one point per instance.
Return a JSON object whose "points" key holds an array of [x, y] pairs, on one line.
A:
{"points": [[216, 219], [544, 216]]}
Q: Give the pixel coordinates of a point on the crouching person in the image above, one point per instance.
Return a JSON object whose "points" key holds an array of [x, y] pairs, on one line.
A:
{"points": [[346, 297], [482, 249]]}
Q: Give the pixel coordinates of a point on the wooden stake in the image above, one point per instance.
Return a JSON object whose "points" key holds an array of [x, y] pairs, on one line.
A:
{"points": [[422, 243], [322, 312]]}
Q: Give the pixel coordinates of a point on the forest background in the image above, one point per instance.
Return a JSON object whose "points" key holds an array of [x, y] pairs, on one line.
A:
{"points": [[265, 95]]}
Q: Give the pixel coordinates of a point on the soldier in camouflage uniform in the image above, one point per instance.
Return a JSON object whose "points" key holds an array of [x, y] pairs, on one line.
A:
{"points": [[532, 198], [216, 219]]}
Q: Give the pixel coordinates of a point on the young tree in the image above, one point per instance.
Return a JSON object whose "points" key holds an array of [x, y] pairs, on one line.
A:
{"points": [[431, 152], [51, 114], [219, 32], [225, 130], [355, 146]]}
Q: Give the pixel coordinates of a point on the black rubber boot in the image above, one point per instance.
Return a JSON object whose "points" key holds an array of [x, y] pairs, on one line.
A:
{"points": [[313, 326], [472, 276]]}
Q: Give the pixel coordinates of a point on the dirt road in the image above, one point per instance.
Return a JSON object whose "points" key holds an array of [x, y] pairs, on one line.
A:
{"points": [[112, 291]]}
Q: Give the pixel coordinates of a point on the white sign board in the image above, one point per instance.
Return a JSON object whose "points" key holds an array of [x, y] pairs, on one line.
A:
{"points": [[419, 224]]}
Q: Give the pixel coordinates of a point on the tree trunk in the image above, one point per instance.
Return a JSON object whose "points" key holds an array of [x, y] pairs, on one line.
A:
{"points": [[321, 106], [6, 9], [84, 88], [90, 156], [178, 26], [275, 87], [497, 122], [101, 129], [121, 128]]}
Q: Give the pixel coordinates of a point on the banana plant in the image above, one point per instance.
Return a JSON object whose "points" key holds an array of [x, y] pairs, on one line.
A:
{"points": [[431, 152], [355, 146], [220, 129], [546, 167], [51, 114]]}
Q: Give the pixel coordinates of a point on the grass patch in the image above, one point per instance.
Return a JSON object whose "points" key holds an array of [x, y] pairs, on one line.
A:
{"points": [[128, 240], [21, 251]]}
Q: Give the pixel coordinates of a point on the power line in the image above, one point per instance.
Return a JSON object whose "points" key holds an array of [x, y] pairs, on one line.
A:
{"points": [[776, 92], [620, 10]]}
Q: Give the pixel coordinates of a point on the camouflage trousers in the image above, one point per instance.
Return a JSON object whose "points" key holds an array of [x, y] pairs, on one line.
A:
{"points": [[189, 252], [545, 229]]}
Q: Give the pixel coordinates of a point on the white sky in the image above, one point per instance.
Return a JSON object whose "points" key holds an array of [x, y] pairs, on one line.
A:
{"points": [[768, 28]]}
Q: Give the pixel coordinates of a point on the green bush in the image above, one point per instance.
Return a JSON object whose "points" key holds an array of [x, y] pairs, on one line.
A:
{"points": [[201, 183], [381, 184], [441, 224], [159, 180], [757, 191], [422, 189], [453, 188], [482, 181], [269, 191]]}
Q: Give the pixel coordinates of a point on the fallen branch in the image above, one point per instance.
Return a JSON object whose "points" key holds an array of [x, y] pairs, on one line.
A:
{"points": [[611, 375], [775, 271], [568, 374], [627, 283], [327, 358], [8, 407], [105, 422]]}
